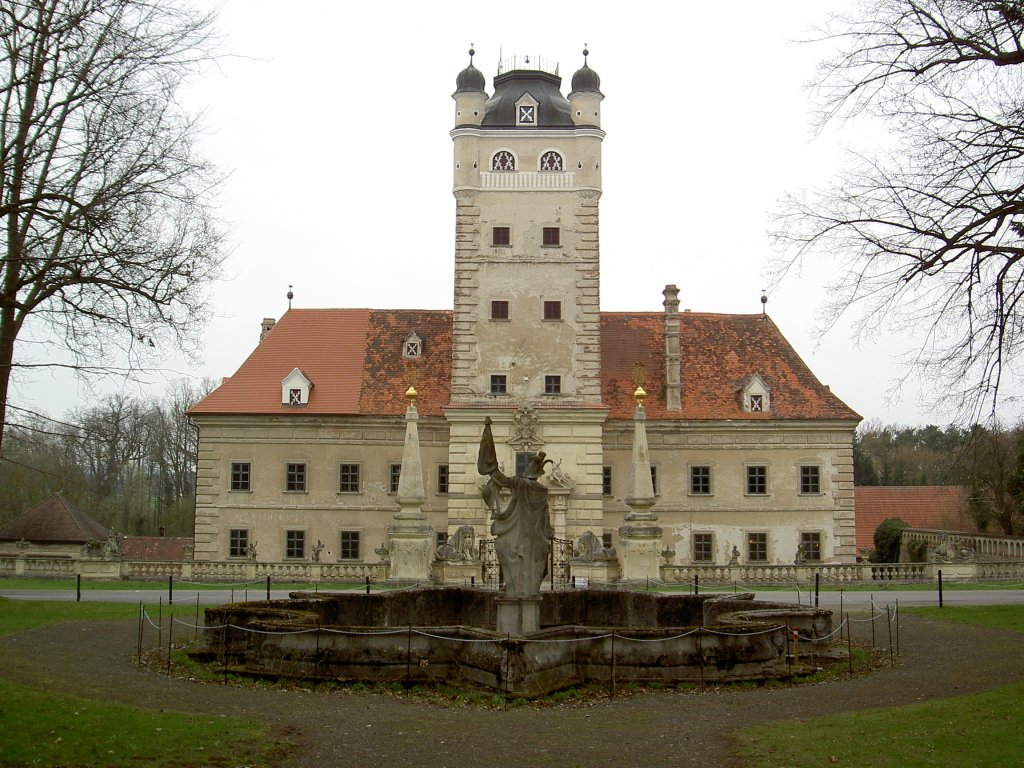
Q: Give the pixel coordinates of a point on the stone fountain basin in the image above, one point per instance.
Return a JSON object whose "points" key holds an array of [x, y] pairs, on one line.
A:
{"points": [[443, 634]]}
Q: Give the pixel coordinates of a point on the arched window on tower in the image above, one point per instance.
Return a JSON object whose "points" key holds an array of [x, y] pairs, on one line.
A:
{"points": [[551, 161], [503, 161]]}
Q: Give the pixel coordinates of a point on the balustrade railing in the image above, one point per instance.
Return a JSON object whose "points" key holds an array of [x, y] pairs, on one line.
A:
{"points": [[527, 179], [980, 545]]}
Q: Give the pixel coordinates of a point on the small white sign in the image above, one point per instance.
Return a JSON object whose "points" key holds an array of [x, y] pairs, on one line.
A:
{"points": [[581, 583]]}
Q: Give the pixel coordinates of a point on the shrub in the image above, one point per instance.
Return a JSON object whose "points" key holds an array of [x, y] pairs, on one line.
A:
{"points": [[887, 540]]}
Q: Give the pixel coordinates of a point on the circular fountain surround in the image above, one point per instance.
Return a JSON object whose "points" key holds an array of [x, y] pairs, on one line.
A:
{"points": [[444, 634]]}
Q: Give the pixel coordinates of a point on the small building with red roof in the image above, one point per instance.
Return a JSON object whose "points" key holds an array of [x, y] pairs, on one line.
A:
{"points": [[937, 507], [300, 450]]}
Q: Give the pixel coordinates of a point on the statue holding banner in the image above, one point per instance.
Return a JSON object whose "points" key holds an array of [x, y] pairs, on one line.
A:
{"points": [[523, 530]]}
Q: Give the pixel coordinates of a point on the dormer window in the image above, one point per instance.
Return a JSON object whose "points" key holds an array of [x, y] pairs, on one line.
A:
{"points": [[503, 161], [527, 111], [295, 388], [755, 396], [412, 347]]}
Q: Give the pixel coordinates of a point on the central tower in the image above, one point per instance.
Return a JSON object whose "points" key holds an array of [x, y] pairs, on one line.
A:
{"points": [[526, 326]]}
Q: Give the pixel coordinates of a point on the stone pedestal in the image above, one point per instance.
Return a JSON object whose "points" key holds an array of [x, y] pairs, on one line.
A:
{"points": [[410, 550], [639, 552], [463, 573], [596, 573], [518, 616]]}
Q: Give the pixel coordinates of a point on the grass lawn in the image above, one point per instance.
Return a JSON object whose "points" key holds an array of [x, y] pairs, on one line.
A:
{"points": [[977, 730], [19, 615], [182, 586], [48, 729]]}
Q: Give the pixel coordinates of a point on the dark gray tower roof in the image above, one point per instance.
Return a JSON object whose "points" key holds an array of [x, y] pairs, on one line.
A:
{"points": [[470, 79], [586, 80], [544, 87]]}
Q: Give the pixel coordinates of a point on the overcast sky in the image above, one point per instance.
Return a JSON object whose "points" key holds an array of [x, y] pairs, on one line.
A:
{"points": [[332, 120]]}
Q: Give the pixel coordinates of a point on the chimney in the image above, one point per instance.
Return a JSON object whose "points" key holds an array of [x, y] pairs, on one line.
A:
{"points": [[673, 390], [266, 325]]}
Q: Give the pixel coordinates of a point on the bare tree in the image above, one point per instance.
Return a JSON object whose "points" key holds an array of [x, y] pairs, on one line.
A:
{"points": [[108, 242], [930, 234]]}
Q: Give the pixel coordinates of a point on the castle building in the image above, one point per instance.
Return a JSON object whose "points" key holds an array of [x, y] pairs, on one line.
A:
{"points": [[300, 451]]}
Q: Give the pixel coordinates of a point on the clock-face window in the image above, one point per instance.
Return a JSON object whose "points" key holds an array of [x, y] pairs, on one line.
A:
{"points": [[527, 114], [551, 161], [503, 161]]}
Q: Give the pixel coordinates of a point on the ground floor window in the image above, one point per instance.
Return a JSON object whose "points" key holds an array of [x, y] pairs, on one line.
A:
{"points": [[349, 547], [703, 548], [757, 547], [238, 542], [441, 539], [295, 544], [810, 544]]}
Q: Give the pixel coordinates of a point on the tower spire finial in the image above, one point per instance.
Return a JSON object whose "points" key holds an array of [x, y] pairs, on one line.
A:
{"points": [[586, 53], [290, 296], [472, 53]]}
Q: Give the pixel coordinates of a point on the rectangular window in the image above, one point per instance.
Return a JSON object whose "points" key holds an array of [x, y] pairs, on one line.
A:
{"points": [[606, 481], [757, 547], [552, 236], [499, 310], [552, 385], [810, 479], [700, 481], [349, 546], [294, 397], [238, 542], [442, 478], [810, 542], [295, 477], [499, 384], [294, 544], [441, 539], [757, 480], [654, 479], [606, 540], [523, 461], [501, 236], [552, 310], [703, 548], [241, 472], [756, 403], [394, 477], [348, 480]]}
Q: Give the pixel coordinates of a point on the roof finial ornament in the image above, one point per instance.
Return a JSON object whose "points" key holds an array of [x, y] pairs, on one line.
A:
{"points": [[290, 296], [472, 53], [764, 302], [585, 54]]}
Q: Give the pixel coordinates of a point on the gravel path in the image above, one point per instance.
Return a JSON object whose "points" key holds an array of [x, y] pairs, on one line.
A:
{"points": [[676, 729]]}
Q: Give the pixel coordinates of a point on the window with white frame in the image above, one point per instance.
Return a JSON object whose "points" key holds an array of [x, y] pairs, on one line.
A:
{"points": [[241, 476], [294, 544], [348, 548], [238, 542]]}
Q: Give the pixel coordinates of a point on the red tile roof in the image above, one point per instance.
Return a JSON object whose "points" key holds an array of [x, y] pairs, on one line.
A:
{"points": [[920, 506], [153, 548], [354, 359], [54, 520], [719, 354]]}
